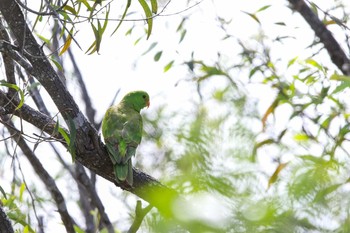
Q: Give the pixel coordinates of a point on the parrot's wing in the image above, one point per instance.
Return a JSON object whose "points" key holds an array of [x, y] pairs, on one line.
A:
{"points": [[112, 147], [111, 130], [131, 135]]}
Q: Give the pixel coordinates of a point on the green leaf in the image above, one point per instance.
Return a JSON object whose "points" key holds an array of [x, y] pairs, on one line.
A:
{"points": [[87, 5], [252, 16], [129, 31], [341, 87], [3, 192], [154, 44], [70, 9], [56, 63], [292, 61], [68, 138], [77, 229], [21, 191], [13, 86], [274, 176], [95, 46], [168, 66], [321, 195], [148, 14], [314, 63], [183, 33], [123, 17], [158, 55], [47, 41], [340, 77], [137, 41], [64, 134], [280, 23], [154, 6], [263, 8], [301, 137], [181, 24], [72, 137]]}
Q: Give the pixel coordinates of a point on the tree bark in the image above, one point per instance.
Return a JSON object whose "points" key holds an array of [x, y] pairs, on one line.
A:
{"points": [[5, 224], [336, 53]]}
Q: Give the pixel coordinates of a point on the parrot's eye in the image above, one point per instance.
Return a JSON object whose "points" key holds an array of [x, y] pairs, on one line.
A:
{"points": [[144, 96]]}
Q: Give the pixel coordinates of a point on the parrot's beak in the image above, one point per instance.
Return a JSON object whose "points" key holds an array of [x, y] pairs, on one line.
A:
{"points": [[148, 104]]}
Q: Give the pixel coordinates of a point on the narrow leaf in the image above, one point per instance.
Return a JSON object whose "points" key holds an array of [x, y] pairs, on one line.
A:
{"points": [[274, 176], [47, 41], [70, 9], [280, 23], [21, 191], [301, 137], [314, 63], [154, 6], [168, 66], [158, 55], [260, 144], [292, 61], [183, 33], [263, 8], [339, 77], [3, 192], [270, 110], [148, 14], [13, 86], [72, 136], [154, 44], [181, 24], [66, 45], [252, 16], [64, 134], [123, 16]]}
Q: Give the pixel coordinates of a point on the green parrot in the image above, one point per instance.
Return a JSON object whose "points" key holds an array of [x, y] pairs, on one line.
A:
{"points": [[122, 132]]}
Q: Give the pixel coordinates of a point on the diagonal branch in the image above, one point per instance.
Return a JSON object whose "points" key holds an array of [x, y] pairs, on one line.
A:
{"points": [[5, 224], [338, 56]]}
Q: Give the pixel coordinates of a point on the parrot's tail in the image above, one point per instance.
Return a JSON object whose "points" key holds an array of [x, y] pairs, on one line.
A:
{"points": [[124, 172]]}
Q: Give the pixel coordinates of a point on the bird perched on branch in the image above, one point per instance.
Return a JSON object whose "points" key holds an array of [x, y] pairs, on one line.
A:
{"points": [[122, 132]]}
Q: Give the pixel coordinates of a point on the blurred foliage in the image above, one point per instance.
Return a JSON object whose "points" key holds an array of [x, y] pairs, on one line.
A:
{"points": [[218, 149]]}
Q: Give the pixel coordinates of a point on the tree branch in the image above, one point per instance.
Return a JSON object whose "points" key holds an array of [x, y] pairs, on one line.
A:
{"points": [[338, 56], [85, 182], [44, 176], [5, 224]]}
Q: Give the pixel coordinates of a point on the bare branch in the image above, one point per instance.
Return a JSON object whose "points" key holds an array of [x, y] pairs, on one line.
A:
{"points": [[8, 61], [89, 109], [11, 51], [90, 191], [45, 178]]}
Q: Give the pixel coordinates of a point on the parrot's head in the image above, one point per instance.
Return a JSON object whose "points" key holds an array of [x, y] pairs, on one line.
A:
{"points": [[137, 100]]}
